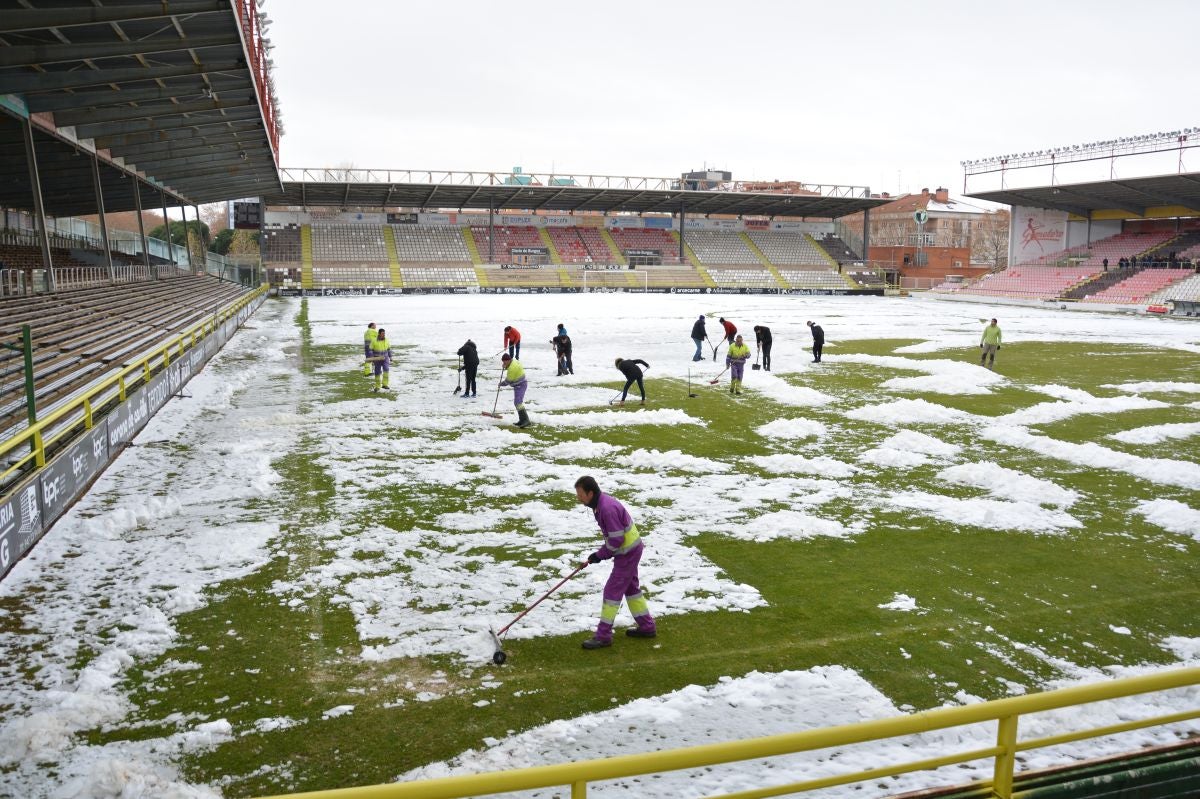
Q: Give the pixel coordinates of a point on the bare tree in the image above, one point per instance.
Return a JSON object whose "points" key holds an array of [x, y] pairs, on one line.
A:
{"points": [[989, 239], [216, 216]]}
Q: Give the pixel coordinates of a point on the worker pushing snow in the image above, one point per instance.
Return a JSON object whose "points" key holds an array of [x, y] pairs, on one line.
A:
{"points": [[514, 375], [512, 341], [735, 359], [623, 545]]}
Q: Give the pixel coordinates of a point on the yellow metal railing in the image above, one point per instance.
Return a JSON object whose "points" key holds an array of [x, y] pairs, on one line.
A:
{"points": [[1006, 712], [63, 422]]}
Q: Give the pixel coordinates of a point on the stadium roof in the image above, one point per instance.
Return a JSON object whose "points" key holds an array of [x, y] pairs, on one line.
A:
{"points": [[481, 190], [176, 91], [1133, 197]]}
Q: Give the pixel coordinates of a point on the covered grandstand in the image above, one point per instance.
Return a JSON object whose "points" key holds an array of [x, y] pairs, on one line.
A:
{"points": [[1130, 242], [381, 231], [140, 106]]}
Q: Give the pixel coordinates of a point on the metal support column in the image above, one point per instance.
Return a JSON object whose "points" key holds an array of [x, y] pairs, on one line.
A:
{"points": [[112, 275], [202, 243], [187, 239], [491, 234], [682, 218], [162, 195], [137, 201], [39, 209], [866, 239], [1089, 230]]}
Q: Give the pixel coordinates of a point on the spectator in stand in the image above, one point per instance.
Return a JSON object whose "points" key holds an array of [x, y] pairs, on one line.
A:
{"points": [[1105, 264]]}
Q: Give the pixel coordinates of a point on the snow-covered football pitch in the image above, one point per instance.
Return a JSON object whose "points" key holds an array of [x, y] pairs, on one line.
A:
{"points": [[286, 583]]}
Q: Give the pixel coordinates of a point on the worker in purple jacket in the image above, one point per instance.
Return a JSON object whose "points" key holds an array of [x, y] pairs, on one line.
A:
{"points": [[623, 544]]}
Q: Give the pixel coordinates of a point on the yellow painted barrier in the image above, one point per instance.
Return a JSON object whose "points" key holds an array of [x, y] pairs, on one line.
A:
{"points": [[1006, 712], [38, 437]]}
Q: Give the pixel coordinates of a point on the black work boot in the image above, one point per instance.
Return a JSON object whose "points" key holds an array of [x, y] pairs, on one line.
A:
{"points": [[522, 418], [596, 643]]}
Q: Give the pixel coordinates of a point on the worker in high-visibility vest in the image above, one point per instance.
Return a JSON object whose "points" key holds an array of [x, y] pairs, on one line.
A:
{"points": [[381, 356], [368, 340]]}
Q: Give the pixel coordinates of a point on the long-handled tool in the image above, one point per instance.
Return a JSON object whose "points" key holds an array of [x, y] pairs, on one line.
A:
{"points": [[495, 404], [499, 656], [690, 394], [458, 388], [717, 379], [756, 367], [714, 349]]}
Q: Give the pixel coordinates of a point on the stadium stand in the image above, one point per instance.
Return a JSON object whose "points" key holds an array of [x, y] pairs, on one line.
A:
{"points": [[867, 280], [353, 255], [281, 244], [813, 279], [838, 250], [425, 244], [571, 247], [80, 336], [345, 275], [354, 243], [788, 249], [1140, 287], [438, 276], [1046, 279], [1187, 290], [747, 277], [531, 278], [714, 247], [506, 239], [649, 239], [597, 248]]}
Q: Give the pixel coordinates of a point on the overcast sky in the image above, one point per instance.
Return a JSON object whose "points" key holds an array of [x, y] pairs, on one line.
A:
{"points": [[886, 94]]}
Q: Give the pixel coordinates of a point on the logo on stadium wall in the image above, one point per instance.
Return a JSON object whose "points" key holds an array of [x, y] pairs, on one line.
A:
{"points": [[1039, 232]]}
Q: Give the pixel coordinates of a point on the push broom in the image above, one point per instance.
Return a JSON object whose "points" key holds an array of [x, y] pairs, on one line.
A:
{"points": [[499, 656]]}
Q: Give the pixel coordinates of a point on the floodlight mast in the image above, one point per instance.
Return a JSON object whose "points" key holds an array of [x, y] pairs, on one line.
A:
{"points": [[1111, 149]]}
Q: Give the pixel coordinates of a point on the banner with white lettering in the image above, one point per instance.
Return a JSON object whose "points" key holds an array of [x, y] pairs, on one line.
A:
{"points": [[69, 474], [127, 419], [20, 525]]}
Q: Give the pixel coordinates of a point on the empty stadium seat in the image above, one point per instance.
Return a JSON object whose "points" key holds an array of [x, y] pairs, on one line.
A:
{"points": [[430, 243], [714, 247], [788, 248], [339, 242]]}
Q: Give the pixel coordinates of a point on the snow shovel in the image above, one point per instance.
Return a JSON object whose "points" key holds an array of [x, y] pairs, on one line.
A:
{"points": [[756, 365], [715, 347], [495, 405], [717, 379], [458, 388], [691, 395], [499, 656]]}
